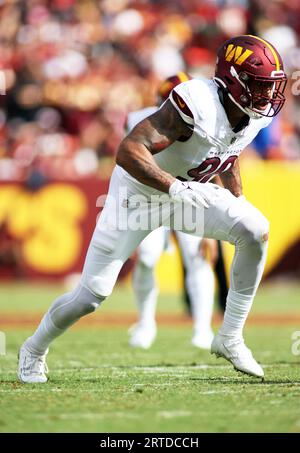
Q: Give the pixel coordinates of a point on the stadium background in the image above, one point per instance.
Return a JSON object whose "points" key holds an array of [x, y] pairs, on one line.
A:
{"points": [[74, 69], [70, 73]]}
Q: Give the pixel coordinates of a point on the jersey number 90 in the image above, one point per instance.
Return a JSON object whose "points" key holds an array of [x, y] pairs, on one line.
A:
{"points": [[211, 167]]}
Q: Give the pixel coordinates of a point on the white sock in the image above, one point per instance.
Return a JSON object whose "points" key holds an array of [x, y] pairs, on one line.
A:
{"points": [[236, 313]]}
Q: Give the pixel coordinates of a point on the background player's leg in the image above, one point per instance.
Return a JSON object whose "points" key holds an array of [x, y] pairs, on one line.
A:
{"points": [[186, 297], [221, 278], [200, 285], [145, 288]]}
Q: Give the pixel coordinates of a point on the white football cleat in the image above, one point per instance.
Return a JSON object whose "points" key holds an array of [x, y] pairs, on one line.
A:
{"points": [[236, 352], [32, 368], [202, 340], [142, 335]]}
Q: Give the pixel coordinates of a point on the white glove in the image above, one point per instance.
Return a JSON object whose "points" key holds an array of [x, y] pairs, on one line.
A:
{"points": [[190, 192]]}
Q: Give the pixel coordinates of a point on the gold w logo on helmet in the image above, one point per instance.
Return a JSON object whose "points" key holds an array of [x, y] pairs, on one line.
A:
{"points": [[238, 54]]}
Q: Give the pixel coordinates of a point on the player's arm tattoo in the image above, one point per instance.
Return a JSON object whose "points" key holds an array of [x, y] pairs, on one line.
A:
{"points": [[231, 179], [149, 137]]}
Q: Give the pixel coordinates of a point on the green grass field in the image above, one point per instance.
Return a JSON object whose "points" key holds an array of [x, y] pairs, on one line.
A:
{"points": [[99, 384]]}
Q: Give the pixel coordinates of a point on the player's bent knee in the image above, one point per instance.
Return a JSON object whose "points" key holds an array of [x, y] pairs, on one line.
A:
{"points": [[259, 230], [252, 232]]}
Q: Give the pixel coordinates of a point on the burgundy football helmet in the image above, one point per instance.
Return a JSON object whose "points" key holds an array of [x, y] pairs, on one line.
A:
{"points": [[251, 71], [171, 82]]}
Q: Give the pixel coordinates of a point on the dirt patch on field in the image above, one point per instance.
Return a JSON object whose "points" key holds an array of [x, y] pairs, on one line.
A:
{"points": [[23, 320]]}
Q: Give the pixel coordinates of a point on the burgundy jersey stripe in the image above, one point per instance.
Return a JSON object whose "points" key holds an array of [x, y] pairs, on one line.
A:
{"points": [[181, 104]]}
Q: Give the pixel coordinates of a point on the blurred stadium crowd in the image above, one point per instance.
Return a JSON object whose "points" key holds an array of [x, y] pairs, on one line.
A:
{"points": [[73, 69]]}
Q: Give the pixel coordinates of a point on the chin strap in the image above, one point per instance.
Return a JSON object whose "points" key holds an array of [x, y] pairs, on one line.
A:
{"points": [[253, 115]]}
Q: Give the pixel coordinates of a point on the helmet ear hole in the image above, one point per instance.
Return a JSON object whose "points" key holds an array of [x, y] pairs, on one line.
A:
{"points": [[243, 76], [245, 100]]}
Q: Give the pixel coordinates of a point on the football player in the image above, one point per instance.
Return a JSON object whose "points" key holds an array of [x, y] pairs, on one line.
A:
{"points": [[199, 277], [164, 168]]}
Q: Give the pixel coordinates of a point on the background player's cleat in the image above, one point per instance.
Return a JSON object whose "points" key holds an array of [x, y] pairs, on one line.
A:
{"points": [[202, 340], [142, 335], [236, 352], [32, 368]]}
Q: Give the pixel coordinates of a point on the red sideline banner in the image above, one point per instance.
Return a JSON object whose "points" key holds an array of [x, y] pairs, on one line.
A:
{"points": [[46, 232]]}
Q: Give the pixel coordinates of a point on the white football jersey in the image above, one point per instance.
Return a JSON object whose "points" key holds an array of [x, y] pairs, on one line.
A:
{"points": [[214, 146]]}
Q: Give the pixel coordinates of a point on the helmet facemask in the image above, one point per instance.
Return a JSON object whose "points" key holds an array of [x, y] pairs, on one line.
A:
{"points": [[260, 96]]}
